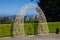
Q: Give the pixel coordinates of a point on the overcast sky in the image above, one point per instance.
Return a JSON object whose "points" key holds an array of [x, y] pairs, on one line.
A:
{"points": [[11, 7]]}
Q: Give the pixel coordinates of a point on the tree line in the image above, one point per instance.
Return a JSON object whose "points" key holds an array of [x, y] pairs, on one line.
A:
{"points": [[5, 20], [10, 20]]}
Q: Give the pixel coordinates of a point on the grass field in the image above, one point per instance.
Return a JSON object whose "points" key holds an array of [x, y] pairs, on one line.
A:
{"points": [[5, 29], [53, 25]]}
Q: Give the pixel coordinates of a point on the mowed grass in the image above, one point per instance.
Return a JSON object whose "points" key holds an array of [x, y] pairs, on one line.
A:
{"points": [[52, 26], [29, 28], [5, 29]]}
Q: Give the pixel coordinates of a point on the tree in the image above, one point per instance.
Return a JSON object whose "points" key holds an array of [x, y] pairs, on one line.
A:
{"points": [[51, 9], [5, 20]]}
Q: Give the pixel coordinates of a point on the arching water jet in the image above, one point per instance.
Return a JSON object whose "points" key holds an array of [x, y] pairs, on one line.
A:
{"points": [[18, 29]]}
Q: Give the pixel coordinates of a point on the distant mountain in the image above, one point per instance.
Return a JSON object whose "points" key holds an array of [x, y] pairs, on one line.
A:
{"points": [[13, 16]]}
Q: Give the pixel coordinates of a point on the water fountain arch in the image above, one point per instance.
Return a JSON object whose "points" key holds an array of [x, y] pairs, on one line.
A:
{"points": [[18, 29]]}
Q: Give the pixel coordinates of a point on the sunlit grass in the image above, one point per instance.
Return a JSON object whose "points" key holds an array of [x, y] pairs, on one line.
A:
{"points": [[5, 29]]}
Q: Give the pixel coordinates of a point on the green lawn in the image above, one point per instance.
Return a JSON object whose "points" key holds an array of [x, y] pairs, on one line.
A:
{"points": [[5, 29], [53, 25]]}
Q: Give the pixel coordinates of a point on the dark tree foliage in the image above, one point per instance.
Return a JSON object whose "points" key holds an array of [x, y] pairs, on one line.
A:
{"points": [[51, 9], [5, 20]]}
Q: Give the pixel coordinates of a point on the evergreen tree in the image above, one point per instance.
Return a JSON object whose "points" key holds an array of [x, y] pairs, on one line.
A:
{"points": [[51, 9]]}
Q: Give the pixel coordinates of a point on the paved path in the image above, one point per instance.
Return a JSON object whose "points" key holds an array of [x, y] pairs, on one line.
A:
{"points": [[37, 37]]}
